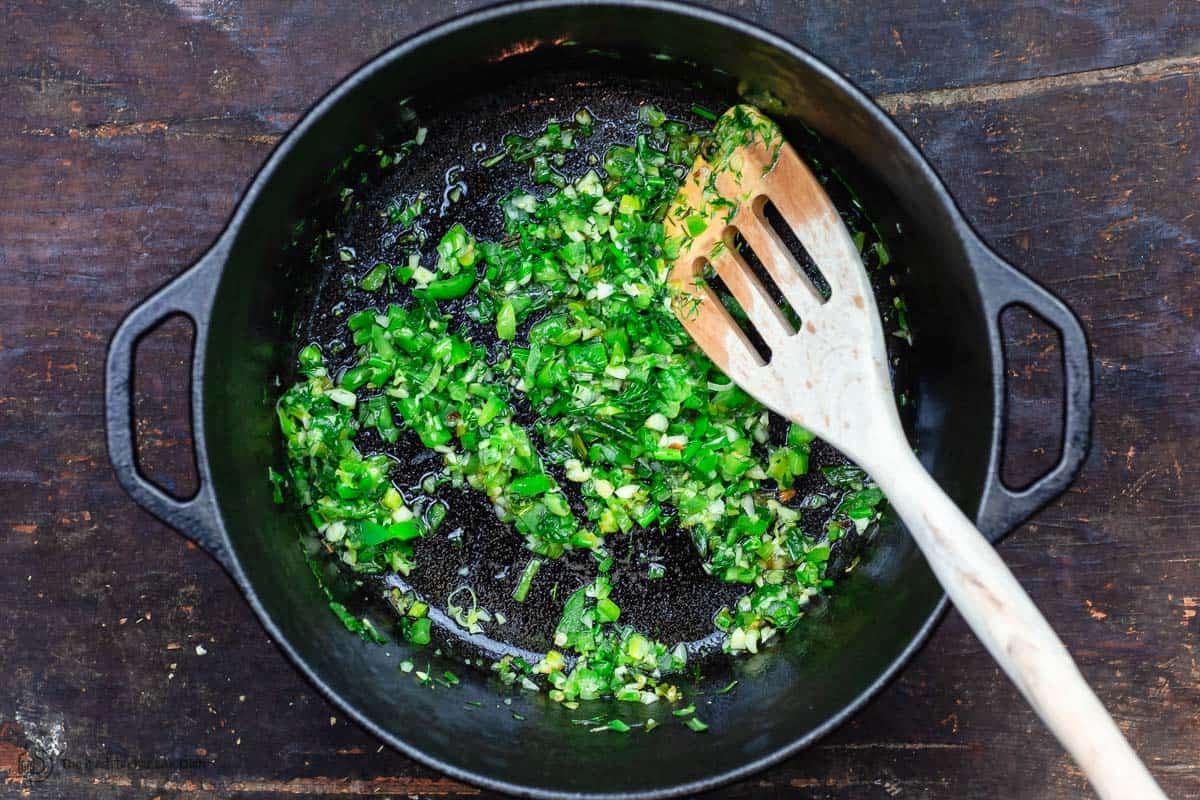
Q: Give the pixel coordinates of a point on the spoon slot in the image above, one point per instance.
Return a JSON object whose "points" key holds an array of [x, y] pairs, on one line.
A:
{"points": [[777, 260], [775, 222], [764, 277], [735, 310]]}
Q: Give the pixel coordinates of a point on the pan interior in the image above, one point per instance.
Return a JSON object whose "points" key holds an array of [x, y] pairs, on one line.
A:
{"points": [[471, 547]]}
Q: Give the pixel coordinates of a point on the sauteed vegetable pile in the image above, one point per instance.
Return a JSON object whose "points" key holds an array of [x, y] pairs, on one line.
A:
{"points": [[592, 414]]}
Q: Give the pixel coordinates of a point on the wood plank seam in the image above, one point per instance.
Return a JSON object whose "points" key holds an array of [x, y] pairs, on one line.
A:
{"points": [[951, 97]]}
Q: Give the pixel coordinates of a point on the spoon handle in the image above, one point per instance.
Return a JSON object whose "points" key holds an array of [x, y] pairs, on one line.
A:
{"points": [[1013, 630]]}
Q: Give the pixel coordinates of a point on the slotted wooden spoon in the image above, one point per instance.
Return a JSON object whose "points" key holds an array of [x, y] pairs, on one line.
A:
{"points": [[831, 377]]}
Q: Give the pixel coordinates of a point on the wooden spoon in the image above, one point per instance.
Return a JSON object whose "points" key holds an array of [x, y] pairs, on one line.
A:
{"points": [[831, 377]]}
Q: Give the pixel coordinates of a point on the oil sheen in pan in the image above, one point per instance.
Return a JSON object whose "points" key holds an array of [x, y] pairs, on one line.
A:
{"points": [[471, 547]]}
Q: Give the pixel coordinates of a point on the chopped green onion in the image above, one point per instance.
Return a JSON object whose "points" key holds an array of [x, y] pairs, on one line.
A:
{"points": [[526, 581], [506, 322]]}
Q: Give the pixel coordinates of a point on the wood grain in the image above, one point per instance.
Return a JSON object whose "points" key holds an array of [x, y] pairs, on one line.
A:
{"points": [[128, 132]]}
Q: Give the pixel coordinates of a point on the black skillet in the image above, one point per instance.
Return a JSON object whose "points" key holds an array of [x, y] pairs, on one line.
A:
{"points": [[254, 300]]}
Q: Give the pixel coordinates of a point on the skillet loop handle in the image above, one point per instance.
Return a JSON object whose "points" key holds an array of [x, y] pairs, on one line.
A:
{"points": [[191, 294], [1002, 508]]}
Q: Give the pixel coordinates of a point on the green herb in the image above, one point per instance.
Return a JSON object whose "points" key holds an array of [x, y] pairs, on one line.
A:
{"points": [[696, 725]]}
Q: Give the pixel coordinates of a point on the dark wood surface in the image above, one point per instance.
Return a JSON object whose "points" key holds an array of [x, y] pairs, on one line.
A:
{"points": [[127, 132]]}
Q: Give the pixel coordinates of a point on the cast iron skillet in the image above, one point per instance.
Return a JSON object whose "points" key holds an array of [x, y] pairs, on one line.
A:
{"points": [[250, 304]]}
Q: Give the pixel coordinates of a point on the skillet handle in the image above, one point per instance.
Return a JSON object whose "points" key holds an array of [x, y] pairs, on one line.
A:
{"points": [[1002, 508], [192, 294]]}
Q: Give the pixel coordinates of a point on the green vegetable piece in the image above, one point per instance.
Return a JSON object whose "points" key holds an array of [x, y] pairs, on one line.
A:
{"points": [[373, 280], [573, 622], [419, 631], [456, 250], [696, 725], [362, 627], [881, 252], [526, 580], [277, 484], [532, 485], [799, 436], [372, 534], [651, 116], [355, 377], [310, 360], [506, 322], [405, 215], [361, 320], [607, 610], [436, 515], [450, 288]]}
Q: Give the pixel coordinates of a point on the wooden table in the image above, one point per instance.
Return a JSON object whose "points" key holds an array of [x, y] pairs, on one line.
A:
{"points": [[132, 667]]}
